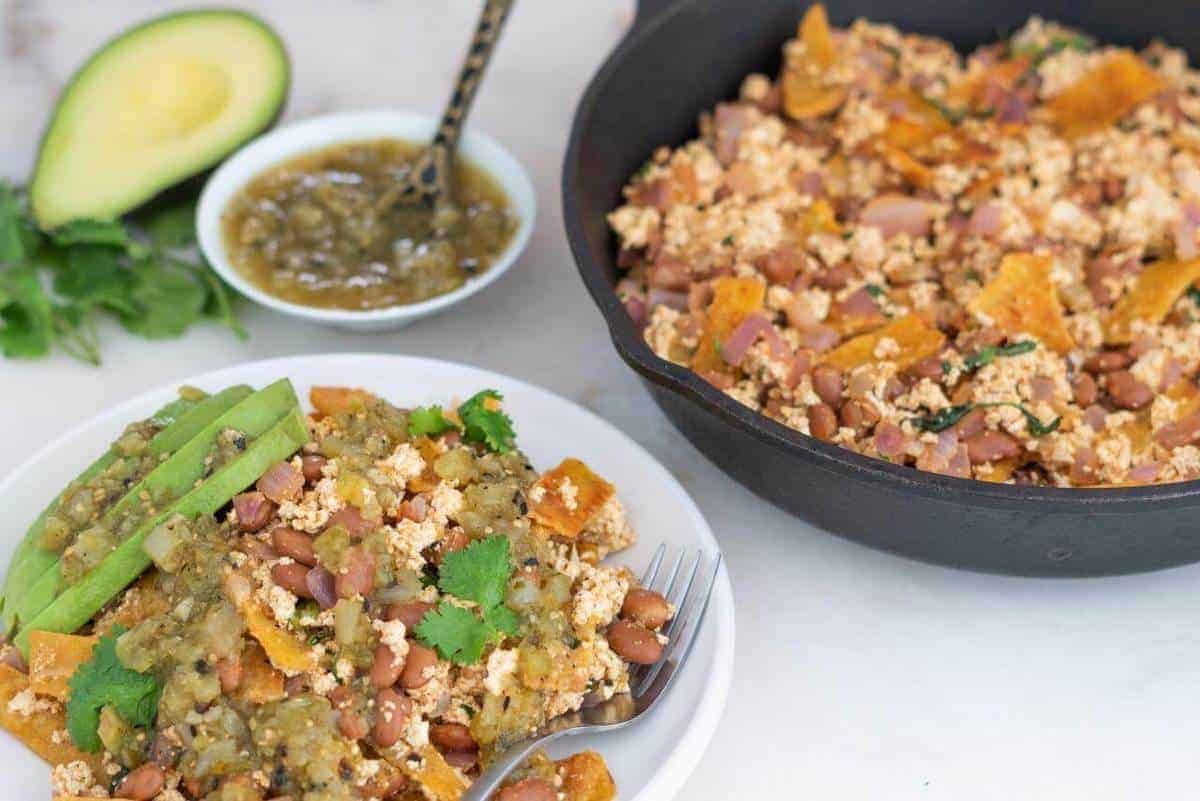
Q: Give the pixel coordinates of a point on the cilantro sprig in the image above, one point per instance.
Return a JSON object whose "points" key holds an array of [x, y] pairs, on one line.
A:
{"points": [[429, 421], [104, 681], [482, 421], [55, 285], [478, 573], [986, 355], [945, 418]]}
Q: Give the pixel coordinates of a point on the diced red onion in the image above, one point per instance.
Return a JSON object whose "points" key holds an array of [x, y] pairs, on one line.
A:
{"points": [[743, 337], [1185, 231], [985, 220], [729, 120], [897, 214], [811, 183], [801, 364], [1096, 418], [664, 297], [668, 273], [1042, 388], [253, 510], [818, 337], [635, 307], [321, 584], [351, 519], [889, 439], [860, 303], [282, 482], [1145, 472]]}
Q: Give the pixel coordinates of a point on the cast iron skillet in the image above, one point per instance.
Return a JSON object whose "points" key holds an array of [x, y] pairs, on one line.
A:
{"points": [[681, 58]]}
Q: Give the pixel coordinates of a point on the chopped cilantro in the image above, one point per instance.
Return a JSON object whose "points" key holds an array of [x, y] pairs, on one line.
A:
{"points": [[1194, 293], [478, 573], [875, 291], [988, 354], [428, 421], [484, 421], [941, 420], [104, 681]]}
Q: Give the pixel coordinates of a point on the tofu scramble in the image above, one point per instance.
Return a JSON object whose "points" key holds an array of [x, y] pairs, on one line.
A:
{"points": [[380, 615], [978, 266]]}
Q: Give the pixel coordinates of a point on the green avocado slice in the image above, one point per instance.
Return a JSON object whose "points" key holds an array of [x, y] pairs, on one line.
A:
{"points": [[173, 478], [80, 602], [181, 420], [29, 561], [154, 106]]}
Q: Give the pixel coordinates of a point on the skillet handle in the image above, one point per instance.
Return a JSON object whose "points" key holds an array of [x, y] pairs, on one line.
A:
{"points": [[648, 10]]}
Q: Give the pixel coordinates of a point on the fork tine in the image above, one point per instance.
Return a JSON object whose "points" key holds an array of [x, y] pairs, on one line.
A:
{"points": [[652, 570], [674, 574], [682, 642]]}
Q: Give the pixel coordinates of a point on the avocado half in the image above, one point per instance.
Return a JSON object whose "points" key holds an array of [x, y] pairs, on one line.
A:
{"points": [[158, 104]]}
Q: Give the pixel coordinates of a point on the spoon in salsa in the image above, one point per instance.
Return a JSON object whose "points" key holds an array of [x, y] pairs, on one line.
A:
{"points": [[428, 180]]}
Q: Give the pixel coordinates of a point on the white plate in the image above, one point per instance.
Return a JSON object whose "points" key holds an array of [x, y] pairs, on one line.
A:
{"points": [[315, 133], [649, 760]]}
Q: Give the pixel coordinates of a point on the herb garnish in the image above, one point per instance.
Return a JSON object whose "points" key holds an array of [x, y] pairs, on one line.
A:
{"points": [[478, 573], [429, 421], [943, 419], [988, 354], [104, 681], [1071, 41], [484, 421], [54, 285], [1193, 292]]}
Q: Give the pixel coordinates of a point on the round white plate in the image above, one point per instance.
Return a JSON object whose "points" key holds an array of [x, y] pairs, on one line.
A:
{"points": [[651, 759]]}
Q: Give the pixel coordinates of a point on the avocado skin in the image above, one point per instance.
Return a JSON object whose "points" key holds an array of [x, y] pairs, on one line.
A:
{"points": [[178, 420], [252, 416], [80, 602], [191, 182]]}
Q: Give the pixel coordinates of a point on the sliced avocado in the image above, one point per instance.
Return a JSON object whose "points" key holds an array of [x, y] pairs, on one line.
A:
{"points": [[175, 477], [181, 420], [159, 103], [30, 561], [78, 603]]}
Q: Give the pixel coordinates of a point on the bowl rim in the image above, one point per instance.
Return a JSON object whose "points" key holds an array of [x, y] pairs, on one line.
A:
{"points": [[632, 348], [314, 133]]}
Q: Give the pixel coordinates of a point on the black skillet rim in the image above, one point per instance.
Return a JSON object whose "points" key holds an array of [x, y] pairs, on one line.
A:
{"points": [[900, 479]]}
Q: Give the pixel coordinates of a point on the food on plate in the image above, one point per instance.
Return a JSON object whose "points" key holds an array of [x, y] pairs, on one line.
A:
{"points": [[979, 266], [158, 104], [375, 608], [327, 229]]}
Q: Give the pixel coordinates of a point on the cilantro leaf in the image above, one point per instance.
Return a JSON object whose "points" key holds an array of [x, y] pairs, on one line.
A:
{"points": [[941, 420], [219, 304], [26, 315], [987, 354], [490, 426], [112, 233], [171, 226], [456, 633], [1194, 293], [478, 572], [94, 275], [428, 421], [104, 681], [12, 240], [166, 301]]}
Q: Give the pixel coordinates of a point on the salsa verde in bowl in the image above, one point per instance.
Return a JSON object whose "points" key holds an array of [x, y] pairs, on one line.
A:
{"points": [[299, 221]]}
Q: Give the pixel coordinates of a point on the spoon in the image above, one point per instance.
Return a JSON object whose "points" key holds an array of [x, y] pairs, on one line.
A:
{"points": [[428, 182]]}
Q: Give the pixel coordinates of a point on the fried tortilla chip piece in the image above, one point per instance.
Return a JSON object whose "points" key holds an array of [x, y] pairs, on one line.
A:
{"points": [[337, 400], [914, 338], [53, 660], [805, 94], [1150, 298], [261, 683], [1022, 299], [44, 729], [585, 777], [437, 779], [734, 299], [283, 649], [567, 497], [1121, 83], [999, 471]]}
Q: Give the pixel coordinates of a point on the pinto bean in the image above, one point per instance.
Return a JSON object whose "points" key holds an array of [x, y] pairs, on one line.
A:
{"points": [[1085, 390], [634, 643], [1127, 392], [929, 367], [1107, 361], [454, 540], [1085, 470], [417, 666], [142, 784], [828, 384], [1181, 432], [971, 424], [463, 760], [310, 466], [822, 421], [452, 737], [781, 266], [358, 577], [834, 277], [407, 612], [229, 673], [857, 415], [291, 577], [352, 725], [386, 668], [988, 446], [296, 544], [530, 789], [646, 607], [392, 710]]}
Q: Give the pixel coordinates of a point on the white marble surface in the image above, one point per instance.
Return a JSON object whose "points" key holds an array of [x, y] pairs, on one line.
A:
{"points": [[858, 676]]}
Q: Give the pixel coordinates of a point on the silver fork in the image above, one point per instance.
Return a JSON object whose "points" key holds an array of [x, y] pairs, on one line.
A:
{"points": [[647, 684]]}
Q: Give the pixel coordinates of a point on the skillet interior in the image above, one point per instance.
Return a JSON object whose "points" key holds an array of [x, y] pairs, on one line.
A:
{"points": [[682, 60]]}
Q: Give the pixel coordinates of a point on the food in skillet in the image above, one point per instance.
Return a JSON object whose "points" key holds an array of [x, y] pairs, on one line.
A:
{"points": [[981, 267], [236, 603]]}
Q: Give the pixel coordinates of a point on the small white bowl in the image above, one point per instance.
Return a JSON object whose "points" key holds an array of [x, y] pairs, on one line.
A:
{"points": [[293, 140]]}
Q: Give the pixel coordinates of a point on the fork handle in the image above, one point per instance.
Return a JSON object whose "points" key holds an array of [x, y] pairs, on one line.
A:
{"points": [[482, 788], [487, 33]]}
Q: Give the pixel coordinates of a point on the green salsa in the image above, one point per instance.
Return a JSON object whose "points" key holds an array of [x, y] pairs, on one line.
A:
{"points": [[322, 230]]}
